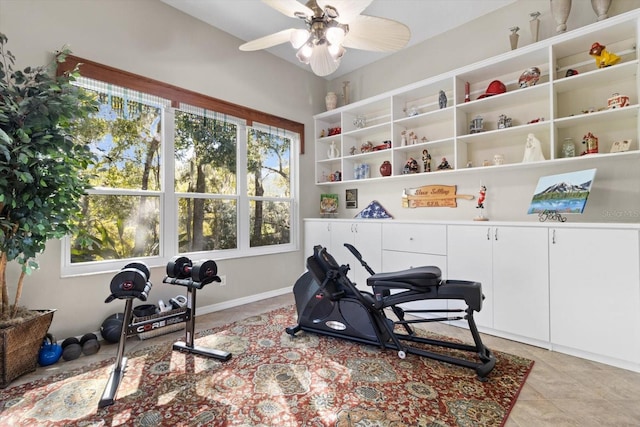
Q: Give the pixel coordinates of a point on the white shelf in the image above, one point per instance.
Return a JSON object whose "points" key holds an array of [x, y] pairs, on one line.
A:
{"points": [[552, 109]]}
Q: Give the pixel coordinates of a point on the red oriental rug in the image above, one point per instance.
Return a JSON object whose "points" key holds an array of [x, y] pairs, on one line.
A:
{"points": [[272, 379]]}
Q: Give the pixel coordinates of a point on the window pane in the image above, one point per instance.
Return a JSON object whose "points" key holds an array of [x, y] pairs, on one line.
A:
{"points": [[205, 153], [119, 227], [126, 138], [207, 224], [268, 165], [270, 223]]}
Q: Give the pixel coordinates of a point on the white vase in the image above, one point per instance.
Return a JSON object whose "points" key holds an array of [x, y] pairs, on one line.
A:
{"points": [[560, 10], [331, 100], [601, 7], [333, 151]]}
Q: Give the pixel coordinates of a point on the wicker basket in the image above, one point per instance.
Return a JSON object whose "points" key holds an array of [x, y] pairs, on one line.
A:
{"points": [[19, 346]]}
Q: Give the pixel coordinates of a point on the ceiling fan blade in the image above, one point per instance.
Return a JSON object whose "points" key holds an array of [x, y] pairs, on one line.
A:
{"points": [[348, 9], [322, 63], [266, 42], [376, 34], [289, 7]]}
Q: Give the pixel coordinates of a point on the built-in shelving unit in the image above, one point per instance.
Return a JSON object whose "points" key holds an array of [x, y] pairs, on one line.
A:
{"points": [[556, 108]]}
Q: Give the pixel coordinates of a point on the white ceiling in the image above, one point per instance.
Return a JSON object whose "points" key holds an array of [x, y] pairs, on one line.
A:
{"points": [[251, 19]]}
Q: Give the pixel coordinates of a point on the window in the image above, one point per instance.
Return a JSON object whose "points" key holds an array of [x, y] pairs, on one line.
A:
{"points": [[173, 178]]}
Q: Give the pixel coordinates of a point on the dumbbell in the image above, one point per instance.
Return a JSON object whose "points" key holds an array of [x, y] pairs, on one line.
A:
{"points": [[181, 267], [131, 281]]}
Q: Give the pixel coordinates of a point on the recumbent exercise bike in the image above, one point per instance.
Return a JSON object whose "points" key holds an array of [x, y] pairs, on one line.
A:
{"points": [[133, 282], [329, 303]]}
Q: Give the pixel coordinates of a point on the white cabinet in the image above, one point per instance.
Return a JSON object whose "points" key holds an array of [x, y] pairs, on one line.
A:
{"points": [[415, 245], [521, 281], [366, 238], [512, 265], [558, 106], [470, 257], [316, 233], [595, 291]]}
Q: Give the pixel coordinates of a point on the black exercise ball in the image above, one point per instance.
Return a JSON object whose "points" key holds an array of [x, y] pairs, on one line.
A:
{"points": [[112, 328]]}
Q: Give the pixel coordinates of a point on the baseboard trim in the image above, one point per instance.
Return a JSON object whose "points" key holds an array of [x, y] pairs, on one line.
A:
{"points": [[242, 301]]}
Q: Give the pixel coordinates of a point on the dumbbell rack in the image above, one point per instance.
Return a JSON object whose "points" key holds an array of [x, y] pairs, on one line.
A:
{"points": [[130, 283]]}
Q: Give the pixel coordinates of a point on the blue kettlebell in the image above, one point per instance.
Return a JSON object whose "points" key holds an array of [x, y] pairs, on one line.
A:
{"points": [[50, 351]]}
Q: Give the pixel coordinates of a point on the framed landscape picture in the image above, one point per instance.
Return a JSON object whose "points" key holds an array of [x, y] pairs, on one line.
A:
{"points": [[564, 193]]}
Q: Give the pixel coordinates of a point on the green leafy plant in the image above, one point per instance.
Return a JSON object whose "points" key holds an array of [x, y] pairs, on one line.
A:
{"points": [[42, 165]]}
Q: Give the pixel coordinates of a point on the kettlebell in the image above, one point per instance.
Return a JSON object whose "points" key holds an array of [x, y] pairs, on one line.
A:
{"points": [[50, 351]]}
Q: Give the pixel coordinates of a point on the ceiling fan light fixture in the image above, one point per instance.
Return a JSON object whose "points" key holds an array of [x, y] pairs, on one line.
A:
{"points": [[335, 35], [331, 12], [299, 38], [304, 53], [336, 51]]}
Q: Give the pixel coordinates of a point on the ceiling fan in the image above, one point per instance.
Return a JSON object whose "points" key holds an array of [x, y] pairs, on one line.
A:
{"points": [[330, 27]]}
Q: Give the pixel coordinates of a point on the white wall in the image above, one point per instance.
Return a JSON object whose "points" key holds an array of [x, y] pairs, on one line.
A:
{"points": [[150, 38], [615, 196]]}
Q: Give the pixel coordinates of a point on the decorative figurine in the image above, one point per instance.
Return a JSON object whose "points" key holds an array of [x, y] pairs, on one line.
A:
{"points": [[568, 148], [403, 140], [444, 164], [617, 101], [591, 142], [333, 151], [532, 150], [476, 125], [602, 56], [322, 134], [367, 147], [513, 37], [352, 150], [414, 138], [481, 197], [571, 72], [413, 111], [345, 92], [360, 122], [413, 165], [467, 92], [442, 99], [426, 159], [469, 164], [504, 121], [534, 25], [529, 77]]}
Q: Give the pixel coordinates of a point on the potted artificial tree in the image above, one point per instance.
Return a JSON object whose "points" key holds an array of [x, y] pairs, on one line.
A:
{"points": [[42, 177]]}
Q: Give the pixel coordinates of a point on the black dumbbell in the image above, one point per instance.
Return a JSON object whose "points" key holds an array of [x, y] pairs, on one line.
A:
{"points": [[90, 344], [71, 348], [131, 281], [181, 268]]}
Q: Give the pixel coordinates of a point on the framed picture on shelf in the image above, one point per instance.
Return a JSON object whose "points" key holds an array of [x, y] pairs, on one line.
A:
{"points": [[620, 146], [351, 198], [328, 205]]}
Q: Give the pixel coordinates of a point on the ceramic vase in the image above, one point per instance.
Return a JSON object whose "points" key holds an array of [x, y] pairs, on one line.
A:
{"points": [[331, 100], [601, 8], [385, 168], [560, 10]]}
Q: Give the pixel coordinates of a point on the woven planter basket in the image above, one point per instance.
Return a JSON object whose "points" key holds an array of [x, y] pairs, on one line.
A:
{"points": [[19, 346]]}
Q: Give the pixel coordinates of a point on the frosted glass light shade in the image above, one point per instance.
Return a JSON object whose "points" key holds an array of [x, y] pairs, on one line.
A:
{"points": [[298, 38]]}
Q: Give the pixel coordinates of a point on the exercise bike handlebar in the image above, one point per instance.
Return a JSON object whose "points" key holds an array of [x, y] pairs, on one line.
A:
{"points": [[358, 256]]}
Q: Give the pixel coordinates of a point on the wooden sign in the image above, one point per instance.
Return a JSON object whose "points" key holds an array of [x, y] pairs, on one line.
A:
{"points": [[433, 196]]}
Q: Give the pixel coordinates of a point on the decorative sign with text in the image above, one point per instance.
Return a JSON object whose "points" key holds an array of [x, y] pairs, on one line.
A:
{"points": [[432, 196]]}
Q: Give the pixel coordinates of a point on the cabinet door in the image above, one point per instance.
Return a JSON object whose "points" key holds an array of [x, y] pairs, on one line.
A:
{"points": [[595, 291], [397, 261], [521, 281], [366, 237], [469, 257], [316, 233]]}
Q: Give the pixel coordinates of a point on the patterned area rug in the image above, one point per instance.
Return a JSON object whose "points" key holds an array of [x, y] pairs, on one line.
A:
{"points": [[272, 380]]}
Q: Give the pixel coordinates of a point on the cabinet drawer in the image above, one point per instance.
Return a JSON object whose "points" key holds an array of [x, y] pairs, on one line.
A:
{"points": [[426, 239]]}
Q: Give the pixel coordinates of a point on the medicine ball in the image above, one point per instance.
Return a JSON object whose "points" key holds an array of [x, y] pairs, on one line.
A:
{"points": [[111, 328]]}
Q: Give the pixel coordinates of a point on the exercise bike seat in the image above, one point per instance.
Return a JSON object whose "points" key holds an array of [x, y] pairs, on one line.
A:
{"points": [[423, 283]]}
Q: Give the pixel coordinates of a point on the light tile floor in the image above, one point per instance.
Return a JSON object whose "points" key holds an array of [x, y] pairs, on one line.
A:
{"points": [[560, 391]]}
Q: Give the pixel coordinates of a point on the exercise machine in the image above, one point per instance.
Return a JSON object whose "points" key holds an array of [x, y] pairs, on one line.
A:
{"points": [[329, 303], [132, 282]]}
